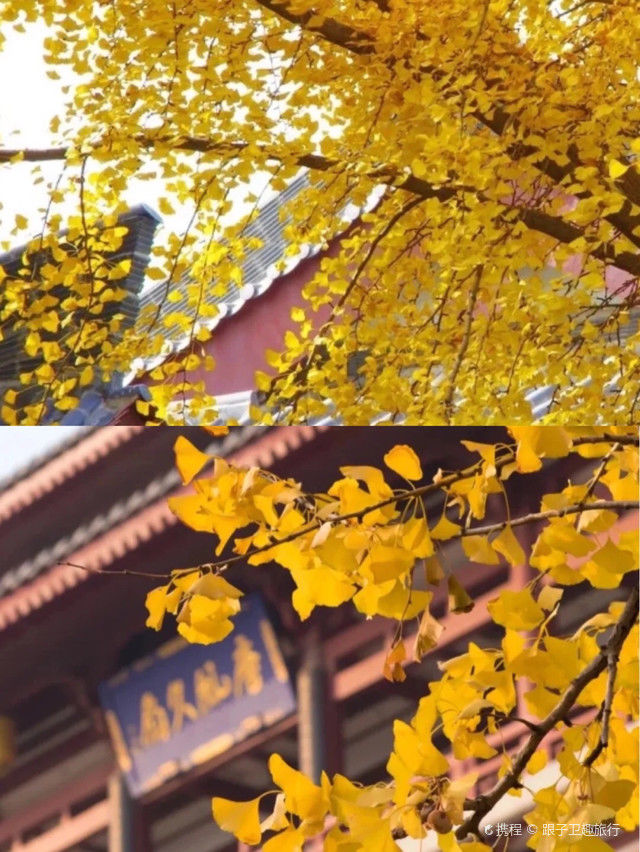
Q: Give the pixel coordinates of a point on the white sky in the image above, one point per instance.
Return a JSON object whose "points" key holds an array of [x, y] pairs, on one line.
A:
{"points": [[28, 103], [28, 107], [23, 444]]}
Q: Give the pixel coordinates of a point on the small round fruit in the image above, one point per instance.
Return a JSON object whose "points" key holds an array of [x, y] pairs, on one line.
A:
{"points": [[439, 821]]}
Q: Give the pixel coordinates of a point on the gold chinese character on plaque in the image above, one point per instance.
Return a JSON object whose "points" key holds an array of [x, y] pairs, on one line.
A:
{"points": [[154, 721], [247, 674], [210, 688], [178, 704]]}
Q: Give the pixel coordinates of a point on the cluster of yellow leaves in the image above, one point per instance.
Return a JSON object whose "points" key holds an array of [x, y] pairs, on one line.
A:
{"points": [[61, 306], [474, 694], [329, 563], [361, 818], [505, 135], [608, 793], [202, 604], [363, 541]]}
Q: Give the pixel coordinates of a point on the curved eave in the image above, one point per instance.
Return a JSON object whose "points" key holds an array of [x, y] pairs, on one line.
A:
{"points": [[69, 463], [130, 534]]}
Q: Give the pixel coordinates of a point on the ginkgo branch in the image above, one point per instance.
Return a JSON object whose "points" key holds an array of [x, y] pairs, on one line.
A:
{"points": [[575, 509], [464, 345], [481, 805], [533, 517], [122, 571], [605, 711], [441, 484], [536, 220], [595, 479], [361, 43]]}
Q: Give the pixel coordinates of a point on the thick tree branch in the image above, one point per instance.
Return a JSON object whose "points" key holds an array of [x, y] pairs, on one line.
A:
{"points": [[537, 220], [361, 43], [332, 31], [483, 804]]}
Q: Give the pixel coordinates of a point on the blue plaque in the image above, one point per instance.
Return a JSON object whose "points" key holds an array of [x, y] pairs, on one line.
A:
{"points": [[187, 703]]}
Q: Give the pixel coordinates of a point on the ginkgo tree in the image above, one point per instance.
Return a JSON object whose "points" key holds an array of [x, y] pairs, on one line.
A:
{"points": [[491, 147], [376, 547]]}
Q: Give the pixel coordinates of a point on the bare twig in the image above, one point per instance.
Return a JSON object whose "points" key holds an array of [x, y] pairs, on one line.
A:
{"points": [[601, 468], [123, 571]]}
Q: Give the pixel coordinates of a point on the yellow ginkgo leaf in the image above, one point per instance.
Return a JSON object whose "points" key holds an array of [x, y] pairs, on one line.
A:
{"points": [[459, 600], [487, 453], [290, 840], [549, 597], [205, 620], [203, 609], [393, 669], [537, 762], [156, 603], [445, 529], [372, 477], [207, 633], [214, 586], [240, 818], [416, 538], [508, 545], [478, 549], [401, 603], [164, 206], [527, 459], [189, 508], [616, 169], [517, 610], [189, 459], [303, 798], [433, 570], [277, 819], [403, 460], [429, 631], [320, 586]]}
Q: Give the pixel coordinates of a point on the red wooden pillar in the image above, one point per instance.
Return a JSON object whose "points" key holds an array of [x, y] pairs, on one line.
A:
{"points": [[318, 723], [128, 831]]}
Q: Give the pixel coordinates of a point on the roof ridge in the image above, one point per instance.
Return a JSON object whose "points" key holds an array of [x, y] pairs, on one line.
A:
{"points": [[48, 472]]}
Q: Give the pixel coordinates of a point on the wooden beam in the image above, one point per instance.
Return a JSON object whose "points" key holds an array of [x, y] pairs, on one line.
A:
{"points": [[311, 704], [120, 816], [70, 831], [17, 824], [45, 760]]}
